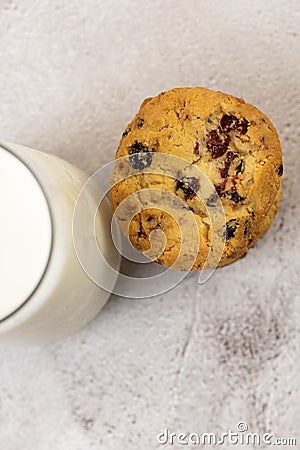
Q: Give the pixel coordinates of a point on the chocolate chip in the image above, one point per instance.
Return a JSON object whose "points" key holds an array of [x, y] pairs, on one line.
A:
{"points": [[243, 126], [217, 144], [126, 132], [212, 199], [228, 123], [139, 122], [196, 148], [280, 170], [139, 147], [246, 229], [240, 167], [232, 193], [230, 156], [140, 156], [231, 227], [234, 196], [189, 185]]}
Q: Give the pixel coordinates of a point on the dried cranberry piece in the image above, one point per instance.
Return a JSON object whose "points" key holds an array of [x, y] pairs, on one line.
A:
{"points": [[216, 145], [243, 126], [235, 180], [228, 123], [196, 148], [218, 188], [224, 172], [189, 185], [230, 229], [280, 170], [140, 156]]}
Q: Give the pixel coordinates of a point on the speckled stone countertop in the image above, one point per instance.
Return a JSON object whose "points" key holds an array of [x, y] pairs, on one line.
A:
{"points": [[199, 358]]}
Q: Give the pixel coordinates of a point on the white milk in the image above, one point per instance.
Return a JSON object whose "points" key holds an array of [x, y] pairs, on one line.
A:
{"points": [[44, 292], [26, 233]]}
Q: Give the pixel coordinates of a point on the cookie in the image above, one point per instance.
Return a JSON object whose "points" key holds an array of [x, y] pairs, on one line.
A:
{"points": [[210, 136]]}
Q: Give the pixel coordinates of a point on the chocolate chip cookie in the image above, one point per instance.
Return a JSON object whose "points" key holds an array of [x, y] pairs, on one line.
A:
{"points": [[231, 142]]}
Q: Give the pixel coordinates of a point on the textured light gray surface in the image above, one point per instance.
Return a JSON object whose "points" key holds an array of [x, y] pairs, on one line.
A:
{"points": [[200, 358]]}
